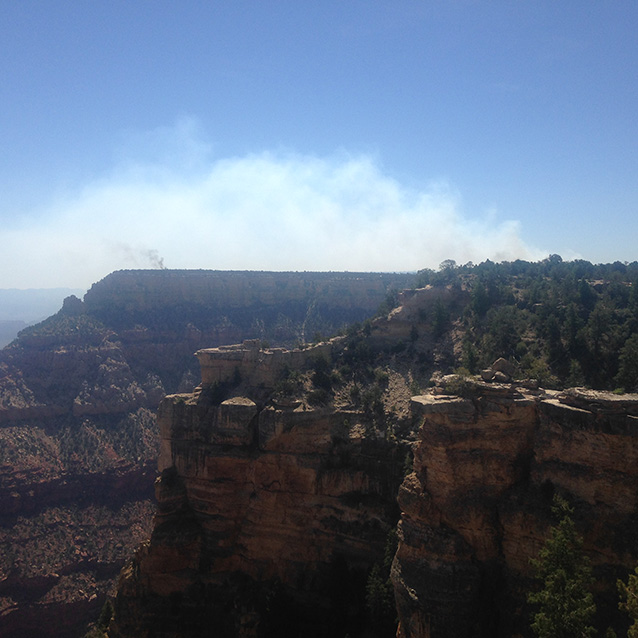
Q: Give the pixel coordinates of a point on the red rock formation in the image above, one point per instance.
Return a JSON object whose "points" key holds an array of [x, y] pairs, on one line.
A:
{"points": [[66, 536], [475, 509], [77, 397], [253, 498]]}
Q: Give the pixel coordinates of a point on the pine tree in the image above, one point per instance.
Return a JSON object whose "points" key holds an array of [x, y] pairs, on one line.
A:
{"points": [[565, 604], [629, 601], [380, 592], [627, 375]]}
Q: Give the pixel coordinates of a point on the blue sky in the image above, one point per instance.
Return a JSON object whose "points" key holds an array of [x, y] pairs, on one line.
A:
{"points": [[313, 135]]}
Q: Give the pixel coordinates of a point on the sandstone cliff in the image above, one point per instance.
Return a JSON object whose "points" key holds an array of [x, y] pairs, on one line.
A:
{"points": [[261, 504], [78, 435], [476, 508], [264, 500]]}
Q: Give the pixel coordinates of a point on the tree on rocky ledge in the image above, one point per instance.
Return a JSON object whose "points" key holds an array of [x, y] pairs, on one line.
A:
{"points": [[380, 592], [629, 601], [565, 604]]}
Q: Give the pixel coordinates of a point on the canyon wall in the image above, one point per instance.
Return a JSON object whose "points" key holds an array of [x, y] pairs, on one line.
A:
{"points": [[78, 433], [273, 508], [263, 499], [476, 509], [270, 512], [230, 306]]}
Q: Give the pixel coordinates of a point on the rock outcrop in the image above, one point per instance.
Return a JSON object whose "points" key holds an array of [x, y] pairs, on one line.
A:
{"points": [[259, 499], [477, 507], [78, 434], [260, 505]]}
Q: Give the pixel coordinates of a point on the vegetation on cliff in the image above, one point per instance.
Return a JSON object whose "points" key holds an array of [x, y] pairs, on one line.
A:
{"points": [[565, 603], [629, 601], [564, 323], [92, 374]]}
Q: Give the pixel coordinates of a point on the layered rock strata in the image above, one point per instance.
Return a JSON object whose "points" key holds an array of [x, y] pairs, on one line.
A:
{"points": [[229, 306], [78, 395], [260, 502], [476, 508]]}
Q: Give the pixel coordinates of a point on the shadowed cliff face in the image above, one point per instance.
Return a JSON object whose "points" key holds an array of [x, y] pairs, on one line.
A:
{"points": [[228, 307], [476, 508], [78, 434], [258, 502], [261, 500]]}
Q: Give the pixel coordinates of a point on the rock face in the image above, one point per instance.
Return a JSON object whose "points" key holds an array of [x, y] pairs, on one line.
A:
{"points": [[230, 306], [259, 369], [261, 506], [78, 434], [272, 510], [132, 339], [476, 508], [264, 501]]}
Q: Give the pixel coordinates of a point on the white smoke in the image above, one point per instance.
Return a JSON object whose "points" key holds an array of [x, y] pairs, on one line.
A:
{"points": [[264, 211]]}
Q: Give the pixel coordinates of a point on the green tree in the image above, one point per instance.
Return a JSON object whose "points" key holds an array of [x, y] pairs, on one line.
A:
{"points": [[480, 299], [565, 604], [380, 592], [441, 319], [470, 356], [629, 601], [502, 333], [627, 375]]}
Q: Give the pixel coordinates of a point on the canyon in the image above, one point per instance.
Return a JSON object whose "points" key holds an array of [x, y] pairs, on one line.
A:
{"points": [[288, 475], [78, 430], [272, 512]]}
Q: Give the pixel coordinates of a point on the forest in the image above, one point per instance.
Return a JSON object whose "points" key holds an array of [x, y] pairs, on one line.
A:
{"points": [[564, 323]]}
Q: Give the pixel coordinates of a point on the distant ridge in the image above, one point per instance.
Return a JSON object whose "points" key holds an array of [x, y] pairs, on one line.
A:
{"points": [[21, 307]]}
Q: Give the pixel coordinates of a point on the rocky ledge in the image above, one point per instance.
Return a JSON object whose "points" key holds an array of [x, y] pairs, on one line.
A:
{"points": [[476, 508], [262, 505], [271, 512]]}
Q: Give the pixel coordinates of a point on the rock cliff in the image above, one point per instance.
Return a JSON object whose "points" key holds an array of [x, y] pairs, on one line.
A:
{"points": [[262, 504], [476, 509], [78, 434], [279, 474], [260, 501]]}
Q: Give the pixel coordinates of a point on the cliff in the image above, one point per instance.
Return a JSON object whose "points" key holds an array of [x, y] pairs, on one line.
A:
{"points": [[78, 433], [229, 306], [476, 509], [262, 499], [280, 472], [263, 503]]}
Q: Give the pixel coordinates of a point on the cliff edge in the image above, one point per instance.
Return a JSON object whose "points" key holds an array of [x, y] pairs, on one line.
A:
{"points": [[271, 511], [476, 508]]}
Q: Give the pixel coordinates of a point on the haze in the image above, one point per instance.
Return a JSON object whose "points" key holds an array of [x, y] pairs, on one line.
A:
{"points": [[328, 136]]}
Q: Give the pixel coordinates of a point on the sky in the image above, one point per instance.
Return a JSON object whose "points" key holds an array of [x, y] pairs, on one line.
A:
{"points": [[335, 135]]}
